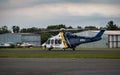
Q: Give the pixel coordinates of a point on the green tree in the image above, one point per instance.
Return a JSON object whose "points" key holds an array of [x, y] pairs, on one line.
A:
{"points": [[30, 30], [91, 28], [15, 29], [56, 26], [70, 27], [79, 27], [4, 29], [45, 37], [111, 26], [24, 30]]}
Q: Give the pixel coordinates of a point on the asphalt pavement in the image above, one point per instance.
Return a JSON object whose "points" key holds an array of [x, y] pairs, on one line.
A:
{"points": [[59, 66]]}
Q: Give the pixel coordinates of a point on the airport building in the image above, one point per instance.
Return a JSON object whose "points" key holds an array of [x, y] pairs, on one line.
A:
{"points": [[33, 39], [110, 39]]}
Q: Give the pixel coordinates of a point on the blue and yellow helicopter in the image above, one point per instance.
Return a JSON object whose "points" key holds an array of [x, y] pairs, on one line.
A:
{"points": [[69, 40]]}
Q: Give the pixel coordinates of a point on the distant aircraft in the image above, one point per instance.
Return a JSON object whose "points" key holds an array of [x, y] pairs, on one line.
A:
{"points": [[69, 40], [24, 45], [6, 45]]}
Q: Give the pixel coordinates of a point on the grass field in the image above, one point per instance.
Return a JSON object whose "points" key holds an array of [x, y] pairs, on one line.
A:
{"points": [[57, 54]]}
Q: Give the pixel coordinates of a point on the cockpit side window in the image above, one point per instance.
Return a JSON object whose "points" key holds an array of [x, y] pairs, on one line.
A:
{"points": [[52, 41], [58, 41]]}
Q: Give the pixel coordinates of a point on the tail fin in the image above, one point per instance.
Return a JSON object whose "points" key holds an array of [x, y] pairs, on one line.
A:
{"points": [[100, 33]]}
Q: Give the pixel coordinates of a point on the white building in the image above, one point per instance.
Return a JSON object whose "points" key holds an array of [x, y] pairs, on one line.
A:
{"points": [[113, 39]]}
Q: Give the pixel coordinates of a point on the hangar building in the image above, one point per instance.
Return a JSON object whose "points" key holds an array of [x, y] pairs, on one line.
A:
{"points": [[110, 39], [33, 39]]}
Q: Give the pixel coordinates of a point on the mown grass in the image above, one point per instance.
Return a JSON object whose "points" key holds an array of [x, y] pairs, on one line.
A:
{"points": [[59, 55]]}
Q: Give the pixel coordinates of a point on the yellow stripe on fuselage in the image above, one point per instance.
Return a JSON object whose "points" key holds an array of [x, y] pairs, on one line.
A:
{"points": [[63, 39]]}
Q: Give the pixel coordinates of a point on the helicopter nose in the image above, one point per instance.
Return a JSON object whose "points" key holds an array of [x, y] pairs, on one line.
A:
{"points": [[44, 45]]}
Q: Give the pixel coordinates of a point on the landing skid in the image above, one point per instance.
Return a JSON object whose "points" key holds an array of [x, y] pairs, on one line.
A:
{"points": [[63, 49]]}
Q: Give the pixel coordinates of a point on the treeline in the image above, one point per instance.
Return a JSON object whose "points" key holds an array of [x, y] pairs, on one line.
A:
{"points": [[16, 29]]}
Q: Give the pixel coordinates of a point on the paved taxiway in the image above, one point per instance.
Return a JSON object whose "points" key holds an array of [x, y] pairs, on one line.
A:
{"points": [[50, 66]]}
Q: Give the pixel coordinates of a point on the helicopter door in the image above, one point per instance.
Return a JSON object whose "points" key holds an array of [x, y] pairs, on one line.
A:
{"points": [[52, 41], [58, 42]]}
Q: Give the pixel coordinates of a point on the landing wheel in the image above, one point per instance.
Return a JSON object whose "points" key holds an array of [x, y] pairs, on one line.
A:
{"points": [[63, 49], [49, 49], [73, 49]]}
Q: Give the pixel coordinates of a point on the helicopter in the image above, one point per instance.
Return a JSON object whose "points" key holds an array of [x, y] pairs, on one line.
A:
{"points": [[66, 40]]}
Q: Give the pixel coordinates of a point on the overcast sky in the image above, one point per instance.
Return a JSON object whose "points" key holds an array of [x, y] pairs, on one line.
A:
{"points": [[41, 13]]}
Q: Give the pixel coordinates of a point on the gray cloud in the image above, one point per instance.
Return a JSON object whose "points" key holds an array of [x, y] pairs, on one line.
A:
{"points": [[12, 4], [81, 1], [41, 13]]}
